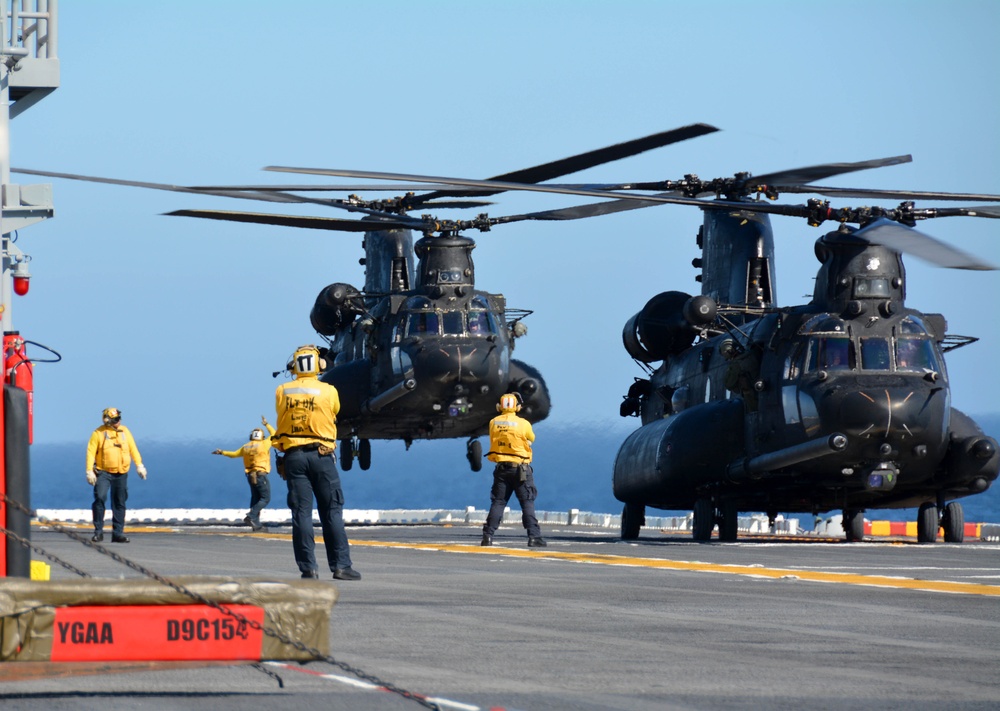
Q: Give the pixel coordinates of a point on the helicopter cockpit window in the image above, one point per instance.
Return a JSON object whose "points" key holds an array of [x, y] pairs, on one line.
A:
{"points": [[449, 276], [453, 323], [871, 288], [915, 354], [824, 323], [422, 323], [479, 302], [479, 323], [829, 354], [911, 326], [874, 354]]}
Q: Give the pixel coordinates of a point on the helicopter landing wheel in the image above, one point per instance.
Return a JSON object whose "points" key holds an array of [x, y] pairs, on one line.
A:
{"points": [[927, 523], [953, 523], [364, 454], [854, 525], [474, 451], [704, 520], [347, 454], [728, 521], [633, 519]]}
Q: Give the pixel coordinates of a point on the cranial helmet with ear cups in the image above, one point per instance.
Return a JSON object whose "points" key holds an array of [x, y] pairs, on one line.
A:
{"points": [[511, 402], [306, 361], [256, 434]]}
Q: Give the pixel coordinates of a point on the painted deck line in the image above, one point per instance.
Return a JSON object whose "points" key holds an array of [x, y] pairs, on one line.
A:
{"points": [[880, 581]]}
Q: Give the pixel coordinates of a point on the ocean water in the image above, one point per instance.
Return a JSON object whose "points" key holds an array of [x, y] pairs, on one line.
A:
{"points": [[572, 471]]}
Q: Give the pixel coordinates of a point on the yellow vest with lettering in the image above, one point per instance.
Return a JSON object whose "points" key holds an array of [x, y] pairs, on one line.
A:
{"points": [[510, 439], [307, 413]]}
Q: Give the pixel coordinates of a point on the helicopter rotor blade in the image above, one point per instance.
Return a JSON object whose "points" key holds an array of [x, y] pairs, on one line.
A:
{"points": [[388, 187], [268, 196], [489, 184], [889, 194], [557, 168], [910, 241], [579, 212], [600, 156], [813, 173], [316, 223]]}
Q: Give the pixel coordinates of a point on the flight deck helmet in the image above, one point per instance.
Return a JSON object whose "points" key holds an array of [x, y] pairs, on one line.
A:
{"points": [[306, 361], [510, 402]]}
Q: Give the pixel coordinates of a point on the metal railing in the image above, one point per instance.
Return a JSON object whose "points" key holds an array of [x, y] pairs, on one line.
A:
{"points": [[30, 29]]}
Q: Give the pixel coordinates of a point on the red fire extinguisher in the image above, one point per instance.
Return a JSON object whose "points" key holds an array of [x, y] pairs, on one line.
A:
{"points": [[18, 372]]}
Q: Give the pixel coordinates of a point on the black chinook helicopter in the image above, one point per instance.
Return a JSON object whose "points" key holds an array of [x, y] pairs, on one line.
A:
{"points": [[419, 352], [842, 403]]}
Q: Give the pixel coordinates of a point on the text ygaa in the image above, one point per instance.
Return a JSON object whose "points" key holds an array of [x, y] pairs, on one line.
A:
{"points": [[157, 633]]}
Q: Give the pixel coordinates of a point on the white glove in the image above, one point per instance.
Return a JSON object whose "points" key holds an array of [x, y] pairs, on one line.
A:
{"points": [[91, 477], [142, 471]]}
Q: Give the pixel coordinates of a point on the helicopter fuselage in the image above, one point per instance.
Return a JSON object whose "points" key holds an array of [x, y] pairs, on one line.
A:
{"points": [[421, 354], [840, 403]]}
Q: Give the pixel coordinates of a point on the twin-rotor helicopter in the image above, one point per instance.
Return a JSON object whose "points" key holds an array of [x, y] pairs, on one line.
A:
{"points": [[419, 352], [840, 403]]}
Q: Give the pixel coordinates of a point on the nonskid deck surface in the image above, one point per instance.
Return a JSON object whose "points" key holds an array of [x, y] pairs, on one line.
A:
{"points": [[590, 622]]}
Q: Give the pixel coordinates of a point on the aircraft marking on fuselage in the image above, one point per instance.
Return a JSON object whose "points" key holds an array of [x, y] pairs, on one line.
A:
{"points": [[880, 581]]}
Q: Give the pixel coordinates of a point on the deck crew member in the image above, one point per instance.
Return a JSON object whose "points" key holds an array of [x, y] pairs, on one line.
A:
{"points": [[110, 452], [510, 449], [307, 434], [257, 464]]}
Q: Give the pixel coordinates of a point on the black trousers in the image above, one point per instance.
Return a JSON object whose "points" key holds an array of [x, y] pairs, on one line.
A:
{"points": [[308, 475], [507, 481], [118, 484], [260, 495]]}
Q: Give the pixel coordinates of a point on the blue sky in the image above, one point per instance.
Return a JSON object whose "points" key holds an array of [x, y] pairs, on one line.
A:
{"points": [[180, 322]]}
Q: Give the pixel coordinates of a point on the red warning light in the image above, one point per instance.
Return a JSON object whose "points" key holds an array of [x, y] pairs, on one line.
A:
{"points": [[21, 285]]}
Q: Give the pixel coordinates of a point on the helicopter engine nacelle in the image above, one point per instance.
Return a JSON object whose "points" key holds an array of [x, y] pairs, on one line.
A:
{"points": [[335, 308], [660, 329]]}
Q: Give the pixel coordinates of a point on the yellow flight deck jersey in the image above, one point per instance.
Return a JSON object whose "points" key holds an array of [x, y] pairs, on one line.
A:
{"points": [[510, 439], [112, 450], [307, 413], [256, 454]]}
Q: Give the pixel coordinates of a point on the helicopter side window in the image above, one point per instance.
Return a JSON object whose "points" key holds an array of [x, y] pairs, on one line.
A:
{"points": [[479, 302], [453, 323], [912, 325], [422, 323], [874, 354], [492, 322], [793, 364], [829, 354], [915, 354], [824, 323], [478, 323]]}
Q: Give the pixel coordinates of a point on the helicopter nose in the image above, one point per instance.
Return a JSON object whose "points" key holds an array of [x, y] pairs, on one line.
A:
{"points": [[467, 364], [893, 415]]}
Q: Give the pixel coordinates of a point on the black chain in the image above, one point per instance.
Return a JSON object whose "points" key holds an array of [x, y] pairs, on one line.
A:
{"points": [[261, 668], [27, 544], [253, 624]]}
